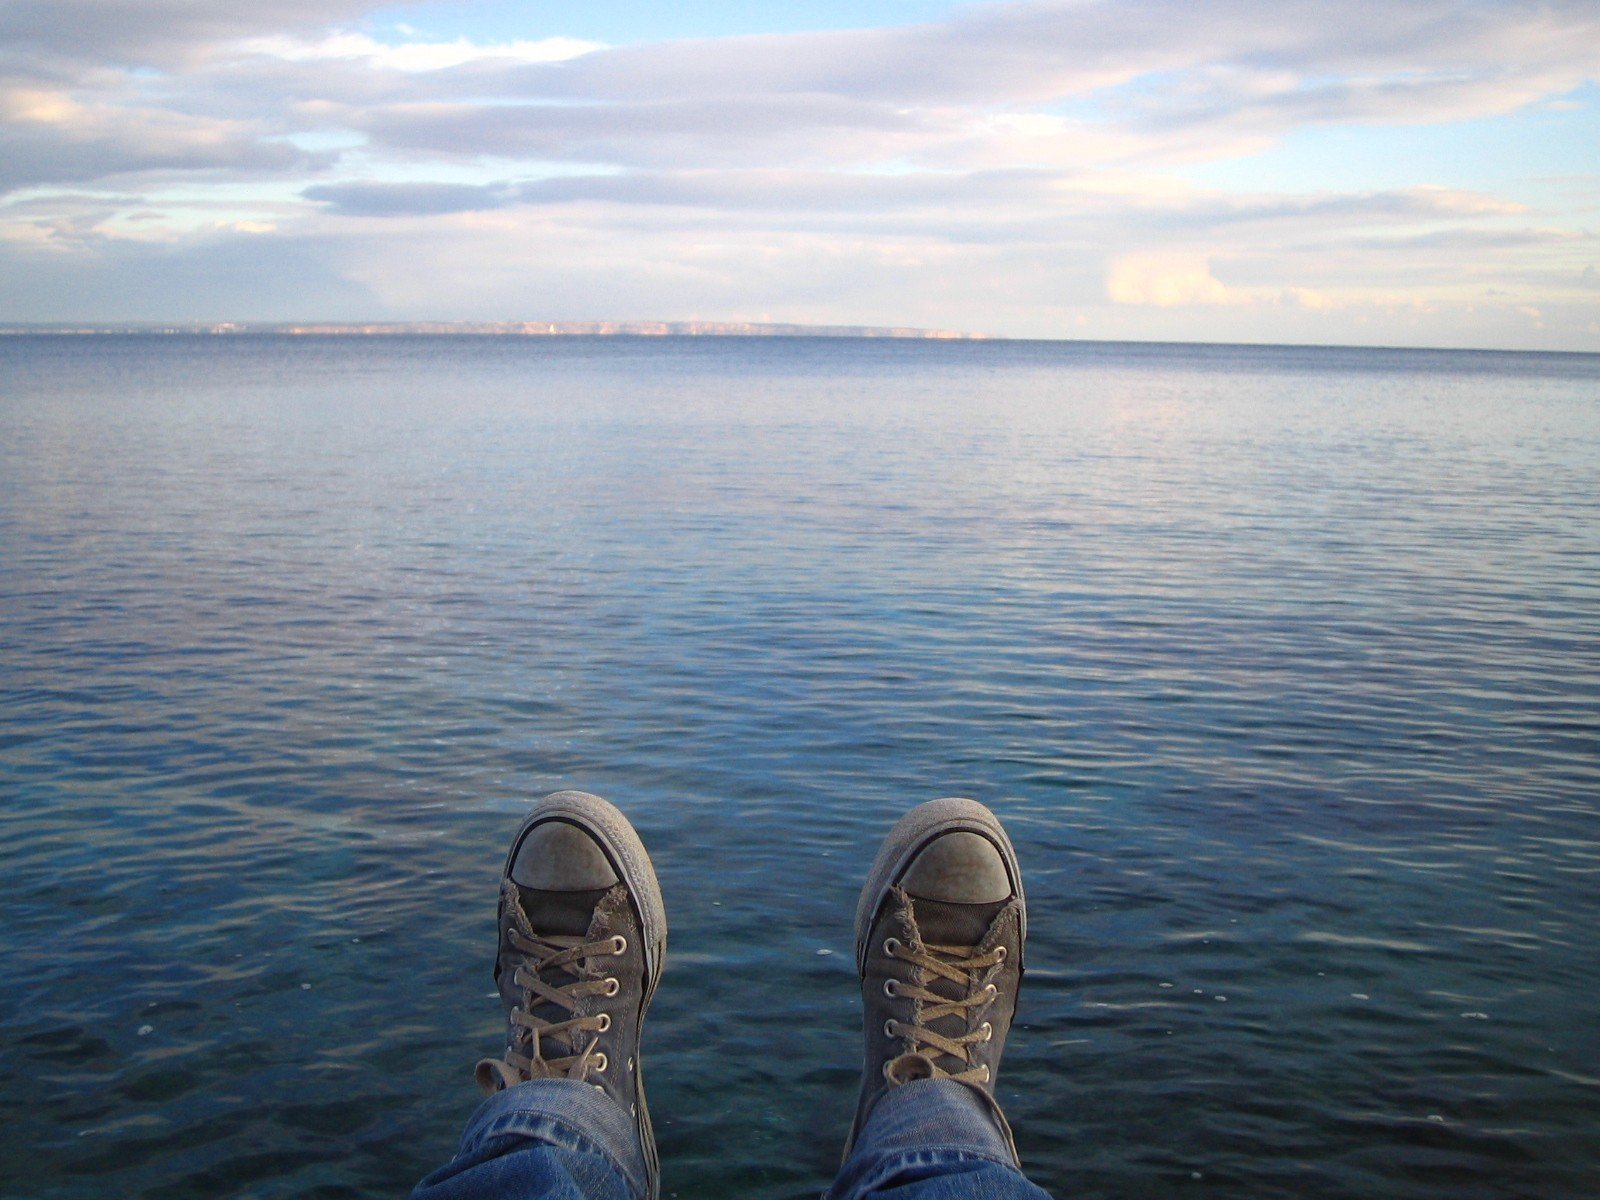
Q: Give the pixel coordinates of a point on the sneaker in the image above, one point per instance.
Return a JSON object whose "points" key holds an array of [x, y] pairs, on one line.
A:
{"points": [[583, 936], [939, 933]]}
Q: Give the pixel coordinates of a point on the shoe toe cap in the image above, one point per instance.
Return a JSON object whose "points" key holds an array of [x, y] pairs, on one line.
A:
{"points": [[958, 868], [557, 856]]}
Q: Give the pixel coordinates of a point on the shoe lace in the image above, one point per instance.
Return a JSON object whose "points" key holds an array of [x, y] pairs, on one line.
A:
{"points": [[547, 959], [971, 970]]}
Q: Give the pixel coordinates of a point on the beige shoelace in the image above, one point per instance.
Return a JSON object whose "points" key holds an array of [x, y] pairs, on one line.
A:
{"points": [[962, 965], [546, 954]]}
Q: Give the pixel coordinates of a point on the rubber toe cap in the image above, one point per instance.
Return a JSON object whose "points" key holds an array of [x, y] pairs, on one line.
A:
{"points": [[958, 868], [560, 857]]}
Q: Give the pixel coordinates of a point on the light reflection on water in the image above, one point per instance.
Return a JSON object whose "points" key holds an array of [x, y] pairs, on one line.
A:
{"points": [[1280, 665]]}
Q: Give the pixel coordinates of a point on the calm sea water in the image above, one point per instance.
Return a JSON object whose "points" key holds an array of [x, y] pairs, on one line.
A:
{"points": [[1282, 666]]}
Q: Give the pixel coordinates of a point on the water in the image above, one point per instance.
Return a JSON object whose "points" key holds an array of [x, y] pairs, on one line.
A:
{"points": [[1282, 666]]}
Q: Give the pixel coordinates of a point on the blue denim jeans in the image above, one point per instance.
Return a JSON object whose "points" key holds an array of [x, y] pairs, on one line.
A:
{"points": [[553, 1139]]}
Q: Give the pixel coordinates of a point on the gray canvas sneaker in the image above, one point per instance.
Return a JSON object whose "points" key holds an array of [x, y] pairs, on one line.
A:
{"points": [[583, 937], [939, 933]]}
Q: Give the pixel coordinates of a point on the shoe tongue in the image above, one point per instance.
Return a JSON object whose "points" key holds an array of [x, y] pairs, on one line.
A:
{"points": [[960, 925], [556, 914], [942, 924], [560, 914]]}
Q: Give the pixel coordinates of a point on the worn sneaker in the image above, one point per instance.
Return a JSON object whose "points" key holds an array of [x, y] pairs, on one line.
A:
{"points": [[583, 936], [939, 933]]}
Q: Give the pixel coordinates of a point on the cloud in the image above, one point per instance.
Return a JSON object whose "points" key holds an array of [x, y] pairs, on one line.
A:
{"points": [[162, 33], [758, 130], [1166, 281], [51, 137], [408, 199], [1478, 240], [1022, 206], [417, 56]]}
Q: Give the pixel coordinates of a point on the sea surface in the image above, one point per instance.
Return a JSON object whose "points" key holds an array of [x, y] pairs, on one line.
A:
{"points": [[1281, 665]]}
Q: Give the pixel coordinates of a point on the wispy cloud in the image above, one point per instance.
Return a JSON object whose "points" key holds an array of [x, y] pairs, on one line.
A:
{"points": [[80, 35], [372, 54]]}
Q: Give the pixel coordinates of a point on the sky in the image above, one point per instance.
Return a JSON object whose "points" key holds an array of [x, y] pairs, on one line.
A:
{"points": [[1370, 172]]}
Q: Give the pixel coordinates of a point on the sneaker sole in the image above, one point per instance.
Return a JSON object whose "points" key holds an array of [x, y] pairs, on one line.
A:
{"points": [[910, 834], [603, 821]]}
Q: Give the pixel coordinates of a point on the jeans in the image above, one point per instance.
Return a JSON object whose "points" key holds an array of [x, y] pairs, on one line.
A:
{"points": [[555, 1139]]}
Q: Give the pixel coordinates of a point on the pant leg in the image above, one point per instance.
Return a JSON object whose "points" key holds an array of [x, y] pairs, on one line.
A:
{"points": [[932, 1139], [550, 1139]]}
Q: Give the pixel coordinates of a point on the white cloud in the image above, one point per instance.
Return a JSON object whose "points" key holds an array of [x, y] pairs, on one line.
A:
{"points": [[416, 55], [1166, 281], [52, 137], [166, 33]]}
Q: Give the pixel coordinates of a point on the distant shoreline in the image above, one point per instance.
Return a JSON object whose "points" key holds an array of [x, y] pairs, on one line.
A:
{"points": [[707, 329], [506, 329]]}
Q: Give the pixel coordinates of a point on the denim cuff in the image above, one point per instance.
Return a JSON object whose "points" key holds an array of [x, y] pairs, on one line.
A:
{"points": [[562, 1113], [927, 1123], [937, 1113]]}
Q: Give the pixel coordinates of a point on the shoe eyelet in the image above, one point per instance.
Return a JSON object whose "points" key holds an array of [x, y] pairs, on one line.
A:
{"points": [[988, 1031], [888, 1029], [991, 991], [890, 945], [889, 988], [605, 1026], [601, 1062], [619, 944], [612, 987], [599, 1087], [986, 1074], [1000, 953]]}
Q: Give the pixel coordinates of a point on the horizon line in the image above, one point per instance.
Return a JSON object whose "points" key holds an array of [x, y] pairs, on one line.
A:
{"points": [[664, 329]]}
